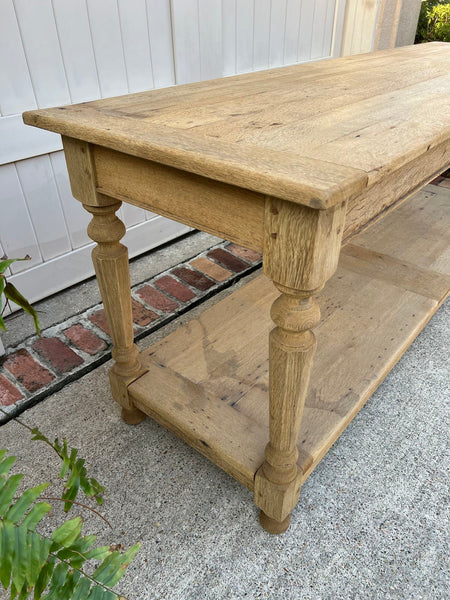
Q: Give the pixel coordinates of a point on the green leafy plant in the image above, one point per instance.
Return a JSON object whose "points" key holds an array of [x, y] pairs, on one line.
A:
{"points": [[54, 568], [434, 21], [12, 294]]}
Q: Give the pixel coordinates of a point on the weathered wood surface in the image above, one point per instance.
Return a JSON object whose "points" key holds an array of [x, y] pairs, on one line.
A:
{"points": [[313, 134], [384, 292]]}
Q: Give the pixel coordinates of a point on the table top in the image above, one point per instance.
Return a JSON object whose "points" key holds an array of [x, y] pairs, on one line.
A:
{"points": [[314, 133]]}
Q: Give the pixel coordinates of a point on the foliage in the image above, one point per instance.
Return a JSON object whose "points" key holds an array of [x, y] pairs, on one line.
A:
{"points": [[53, 568], [12, 294], [434, 21], [74, 468]]}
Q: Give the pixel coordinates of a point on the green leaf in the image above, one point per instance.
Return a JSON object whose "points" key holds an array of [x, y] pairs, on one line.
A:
{"points": [[57, 582], [5, 466], [69, 586], [13, 591], [68, 532], [64, 468], [99, 593], [8, 491], [44, 577], [38, 435], [39, 550], [6, 556], [2, 322], [19, 564], [98, 553], [4, 264], [76, 554], [36, 514], [82, 589], [70, 493], [15, 296], [113, 567], [24, 592], [17, 510], [83, 544]]}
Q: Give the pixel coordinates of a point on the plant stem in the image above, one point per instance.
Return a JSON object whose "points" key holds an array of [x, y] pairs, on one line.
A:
{"points": [[77, 504]]}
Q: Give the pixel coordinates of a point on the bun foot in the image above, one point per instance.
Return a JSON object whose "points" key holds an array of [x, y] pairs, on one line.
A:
{"points": [[272, 526], [132, 416]]}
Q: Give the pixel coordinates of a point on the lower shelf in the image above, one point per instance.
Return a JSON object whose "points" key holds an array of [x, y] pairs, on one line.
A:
{"points": [[208, 381]]}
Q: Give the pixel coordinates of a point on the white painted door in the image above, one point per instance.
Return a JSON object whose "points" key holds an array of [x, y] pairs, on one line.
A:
{"points": [[55, 52]]}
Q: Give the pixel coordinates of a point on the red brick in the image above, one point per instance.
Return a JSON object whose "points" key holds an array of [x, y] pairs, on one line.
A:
{"points": [[195, 279], [99, 319], [84, 339], [245, 253], [141, 315], [27, 371], [157, 299], [9, 394], [174, 288], [61, 357], [228, 260]]}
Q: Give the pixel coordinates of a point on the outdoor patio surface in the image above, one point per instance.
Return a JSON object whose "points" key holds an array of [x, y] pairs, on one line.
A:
{"points": [[371, 523]]}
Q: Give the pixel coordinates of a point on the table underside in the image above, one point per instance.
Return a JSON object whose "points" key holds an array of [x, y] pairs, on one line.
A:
{"points": [[208, 380]]}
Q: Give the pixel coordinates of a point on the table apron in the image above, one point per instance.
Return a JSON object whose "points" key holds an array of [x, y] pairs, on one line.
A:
{"points": [[230, 212]]}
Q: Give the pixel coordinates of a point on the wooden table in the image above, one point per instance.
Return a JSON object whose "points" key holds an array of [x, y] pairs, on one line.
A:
{"points": [[293, 162]]}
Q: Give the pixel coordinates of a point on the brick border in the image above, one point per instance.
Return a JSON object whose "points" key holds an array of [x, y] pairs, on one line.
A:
{"points": [[38, 367]]}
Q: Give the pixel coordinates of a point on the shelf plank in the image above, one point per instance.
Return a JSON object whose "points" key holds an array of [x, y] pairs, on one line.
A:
{"points": [[208, 381], [231, 440]]}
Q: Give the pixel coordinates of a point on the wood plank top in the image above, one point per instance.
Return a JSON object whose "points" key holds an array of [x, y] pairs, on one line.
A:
{"points": [[314, 134]]}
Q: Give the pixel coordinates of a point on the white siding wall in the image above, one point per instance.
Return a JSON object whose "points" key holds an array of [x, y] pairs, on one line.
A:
{"points": [[55, 52]]}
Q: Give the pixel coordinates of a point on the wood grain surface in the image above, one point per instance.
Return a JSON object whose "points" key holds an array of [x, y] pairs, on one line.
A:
{"points": [[314, 134]]}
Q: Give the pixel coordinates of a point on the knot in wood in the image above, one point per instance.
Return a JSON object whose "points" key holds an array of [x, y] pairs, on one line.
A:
{"points": [[295, 314]]}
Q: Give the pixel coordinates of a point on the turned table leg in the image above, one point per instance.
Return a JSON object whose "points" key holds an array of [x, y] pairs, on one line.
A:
{"points": [[301, 251], [291, 352], [110, 259]]}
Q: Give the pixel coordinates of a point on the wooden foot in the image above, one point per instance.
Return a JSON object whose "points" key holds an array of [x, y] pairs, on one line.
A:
{"points": [[272, 526], [133, 416]]}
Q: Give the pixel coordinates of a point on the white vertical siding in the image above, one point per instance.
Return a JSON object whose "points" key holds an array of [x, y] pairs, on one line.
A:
{"points": [[360, 26], [74, 34], [55, 52]]}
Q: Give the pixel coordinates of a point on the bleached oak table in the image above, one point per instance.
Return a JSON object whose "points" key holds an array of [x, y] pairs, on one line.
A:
{"points": [[293, 162]]}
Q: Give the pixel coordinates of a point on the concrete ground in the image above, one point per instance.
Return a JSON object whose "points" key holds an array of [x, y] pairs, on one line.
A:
{"points": [[372, 521]]}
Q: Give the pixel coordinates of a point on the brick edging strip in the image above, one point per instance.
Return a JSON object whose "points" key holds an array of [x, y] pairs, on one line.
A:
{"points": [[38, 367]]}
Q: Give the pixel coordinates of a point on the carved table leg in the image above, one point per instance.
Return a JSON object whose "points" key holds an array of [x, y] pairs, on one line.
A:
{"points": [[110, 259], [292, 347], [301, 250]]}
